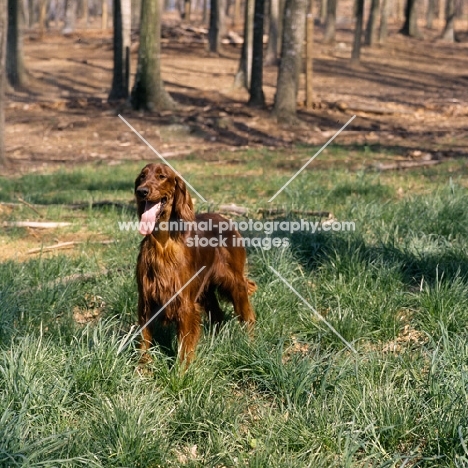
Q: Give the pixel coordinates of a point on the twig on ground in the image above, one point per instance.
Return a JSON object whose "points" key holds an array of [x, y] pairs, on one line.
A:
{"points": [[24, 202], [35, 224]]}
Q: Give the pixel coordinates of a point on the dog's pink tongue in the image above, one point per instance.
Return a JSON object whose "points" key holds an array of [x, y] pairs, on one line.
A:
{"points": [[148, 218]]}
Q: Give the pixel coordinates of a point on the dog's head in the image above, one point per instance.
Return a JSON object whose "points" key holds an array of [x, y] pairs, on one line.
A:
{"points": [[161, 195]]}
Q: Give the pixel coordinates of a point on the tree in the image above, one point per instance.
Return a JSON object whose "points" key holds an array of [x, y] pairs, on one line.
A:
{"points": [[372, 23], [244, 72], [448, 34], [383, 32], [122, 39], [257, 98], [356, 53], [330, 23], [16, 72], [149, 92], [3, 28], [410, 28], [271, 56], [70, 16], [217, 25], [430, 14], [291, 60]]}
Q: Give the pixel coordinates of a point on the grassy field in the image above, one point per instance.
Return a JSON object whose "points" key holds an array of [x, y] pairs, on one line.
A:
{"points": [[295, 395]]}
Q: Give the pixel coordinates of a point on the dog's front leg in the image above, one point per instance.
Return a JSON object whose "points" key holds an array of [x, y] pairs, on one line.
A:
{"points": [[188, 332]]}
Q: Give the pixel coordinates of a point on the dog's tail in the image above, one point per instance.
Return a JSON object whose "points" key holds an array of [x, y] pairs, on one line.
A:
{"points": [[251, 286]]}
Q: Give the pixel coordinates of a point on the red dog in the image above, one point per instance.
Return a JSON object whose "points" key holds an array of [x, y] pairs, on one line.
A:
{"points": [[169, 258]]}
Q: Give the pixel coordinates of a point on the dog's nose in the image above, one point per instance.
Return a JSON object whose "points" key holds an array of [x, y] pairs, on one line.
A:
{"points": [[142, 192]]}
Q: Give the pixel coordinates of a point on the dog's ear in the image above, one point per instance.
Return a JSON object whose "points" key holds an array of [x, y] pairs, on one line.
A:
{"points": [[182, 207]]}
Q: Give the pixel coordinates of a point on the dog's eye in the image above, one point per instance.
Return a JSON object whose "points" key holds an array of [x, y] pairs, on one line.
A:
{"points": [[162, 177]]}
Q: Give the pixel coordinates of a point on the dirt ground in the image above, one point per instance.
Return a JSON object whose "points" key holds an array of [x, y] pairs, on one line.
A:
{"points": [[408, 95]]}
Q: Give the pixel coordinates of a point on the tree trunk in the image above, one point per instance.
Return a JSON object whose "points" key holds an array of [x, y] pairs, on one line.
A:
{"points": [[372, 23], [441, 10], [187, 10], [70, 16], [410, 28], [122, 39], [42, 16], [105, 15], [449, 31], [257, 98], [323, 11], [237, 13], [3, 40], [309, 58], [205, 12], [86, 13], [356, 54], [244, 72], [149, 92], [136, 9], [291, 60], [16, 72], [383, 33], [330, 25], [271, 57], [217, 25], [31, 13], [430, 14]]}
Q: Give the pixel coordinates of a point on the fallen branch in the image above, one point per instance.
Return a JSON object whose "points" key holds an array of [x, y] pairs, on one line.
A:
{"points": [[279, 211], [233, 209], [404, 165], [62, 245], [34, 224], [24, 202], [73, 206]]}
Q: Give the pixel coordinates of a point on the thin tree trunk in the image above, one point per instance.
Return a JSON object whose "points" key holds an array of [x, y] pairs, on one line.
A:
{"points": [[237, 13], [105, 15], [410, 28], [244, 72], [136, 9], [323, 10], [42, 16], [309, 59], [356, 54], [430, 14], [70, 16], [31, 13], [330, 25], [187, 10], [122, 39], [86, 13], [149, 92], [271, 57], [383, 33], [217, 25], [3, 40], [448, 34], [372, 23], [16, 72], [441, 11], [205, 12], [291, 60], [257, 98]]}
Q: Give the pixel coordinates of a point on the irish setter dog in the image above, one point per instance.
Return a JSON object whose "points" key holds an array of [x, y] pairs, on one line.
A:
{"points": [[169, 258]]}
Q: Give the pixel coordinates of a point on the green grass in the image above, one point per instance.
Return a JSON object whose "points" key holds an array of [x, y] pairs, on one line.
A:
{"points": [[294, 396]]}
